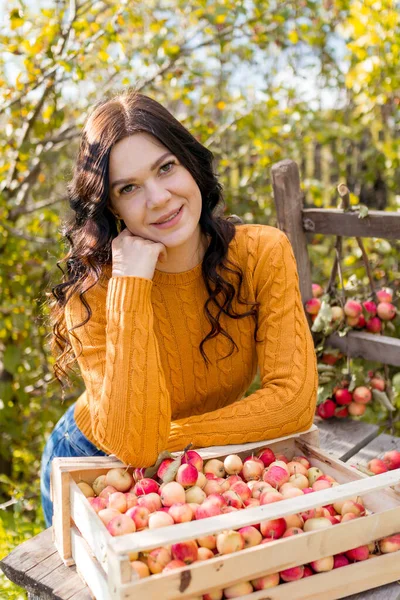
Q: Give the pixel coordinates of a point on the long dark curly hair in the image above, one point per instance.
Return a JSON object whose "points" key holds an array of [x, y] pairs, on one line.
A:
{"points": [[92, 226]]}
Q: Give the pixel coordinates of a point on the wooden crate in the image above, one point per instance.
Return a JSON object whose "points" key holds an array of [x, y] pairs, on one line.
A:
{"points": [[103, 560]]}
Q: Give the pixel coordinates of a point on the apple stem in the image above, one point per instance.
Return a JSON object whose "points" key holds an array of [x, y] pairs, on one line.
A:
{"points": [[187, 448]]}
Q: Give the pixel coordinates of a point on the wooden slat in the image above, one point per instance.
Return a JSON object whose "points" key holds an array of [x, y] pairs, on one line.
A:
{"points": [[342, 438], [152, 538], [375, 449], [332, 221], [89, 569], [289, 202], [264, 559], [360, 344], [338, 583]]}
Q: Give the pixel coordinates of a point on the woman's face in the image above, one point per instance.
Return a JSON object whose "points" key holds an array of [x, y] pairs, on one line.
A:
{"points": [[147, 183]]}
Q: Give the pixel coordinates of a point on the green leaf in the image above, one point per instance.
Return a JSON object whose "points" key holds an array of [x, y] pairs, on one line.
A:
{"points": [[383, 399], [324, 318], [362, 211], [325, 391], [151, 471], [12, 359], [172, 470]]}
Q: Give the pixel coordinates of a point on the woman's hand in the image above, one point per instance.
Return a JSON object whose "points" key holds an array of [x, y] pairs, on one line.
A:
{"points": [[134, 256]]}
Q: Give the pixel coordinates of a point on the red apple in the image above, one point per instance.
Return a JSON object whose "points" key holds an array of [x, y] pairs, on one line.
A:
{"points": [[97, 504], [140, 515], [157, 559], [274, 528], [172, 493], [392, 459], [163, 468], [322, 564], [121, 525], [312, 306], [356, 410], [185, 551], [276, 476], [386, 311], [250, 535], [374, 325], [376, 383], [340, 560], [352, 308], [358, 554], [238, 590], [229, 541], [181, 513], [267, 456], [160, 519], [191, 457], [377, 466], [362, 395], [326, 409], [187, 475], [151, 501], [370, 307], [390, 543], [266, 582], [292, 574], [140, 568], [215, 467], [343, 396]]}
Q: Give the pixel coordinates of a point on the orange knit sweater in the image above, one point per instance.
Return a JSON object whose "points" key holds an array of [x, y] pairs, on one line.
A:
{"points": [[147, 386]]}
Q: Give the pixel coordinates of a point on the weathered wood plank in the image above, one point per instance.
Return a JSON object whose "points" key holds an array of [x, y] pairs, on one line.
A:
{"points": [[391, 591], [376, 448], [288, 199], [333, 221], [343, 438], [26, 562], [380, 348]]}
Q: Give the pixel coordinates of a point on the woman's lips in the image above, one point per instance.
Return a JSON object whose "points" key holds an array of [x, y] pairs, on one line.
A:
{"points": [[170, 223]]}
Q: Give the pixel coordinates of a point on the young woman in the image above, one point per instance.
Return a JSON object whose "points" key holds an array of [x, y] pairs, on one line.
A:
{"points": [[168, 307]]}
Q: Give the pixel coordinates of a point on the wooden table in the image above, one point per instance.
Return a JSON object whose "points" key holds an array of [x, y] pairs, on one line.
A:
{"points": [[37, 567]]}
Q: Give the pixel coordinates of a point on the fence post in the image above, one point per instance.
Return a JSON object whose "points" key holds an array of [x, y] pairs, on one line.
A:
{"points": [[289, 204]]}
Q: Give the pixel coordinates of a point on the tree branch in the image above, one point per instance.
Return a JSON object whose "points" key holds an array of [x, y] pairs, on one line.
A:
{"points": [[29, 238]]}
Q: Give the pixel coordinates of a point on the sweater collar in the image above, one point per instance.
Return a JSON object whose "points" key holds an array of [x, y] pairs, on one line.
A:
{"points": [[177, 278]]}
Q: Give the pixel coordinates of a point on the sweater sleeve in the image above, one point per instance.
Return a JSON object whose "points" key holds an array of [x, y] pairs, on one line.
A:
{"points": [[120, 364], [286, 402]]}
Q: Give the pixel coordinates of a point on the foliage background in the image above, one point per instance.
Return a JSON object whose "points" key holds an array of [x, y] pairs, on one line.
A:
{"points": [[255, 81]]}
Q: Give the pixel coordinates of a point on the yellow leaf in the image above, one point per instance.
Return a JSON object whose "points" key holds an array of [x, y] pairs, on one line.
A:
{"points": [[293, 37], [41, 178], [221, 105], [103, 55], [220, 19]]}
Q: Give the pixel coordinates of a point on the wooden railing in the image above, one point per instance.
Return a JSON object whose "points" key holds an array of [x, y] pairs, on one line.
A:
{"points": [[296, 221]]}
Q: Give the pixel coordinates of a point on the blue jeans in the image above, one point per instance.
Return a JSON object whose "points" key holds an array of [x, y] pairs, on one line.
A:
{"points": [[66, 440]]}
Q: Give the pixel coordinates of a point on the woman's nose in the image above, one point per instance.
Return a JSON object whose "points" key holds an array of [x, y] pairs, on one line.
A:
{"points": [[157, 194]]}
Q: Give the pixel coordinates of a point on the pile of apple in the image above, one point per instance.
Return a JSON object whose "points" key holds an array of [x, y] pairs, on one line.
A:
{"points": [[126, 503], [344, 402], [389, 462], [366, 315]]}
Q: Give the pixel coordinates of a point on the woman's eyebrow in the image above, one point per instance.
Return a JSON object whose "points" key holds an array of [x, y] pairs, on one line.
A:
{"points": [[152, 168]]}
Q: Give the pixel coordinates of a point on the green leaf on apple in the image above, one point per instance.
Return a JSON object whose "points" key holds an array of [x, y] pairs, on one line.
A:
{"points": [[172, 470], [151, 471]]}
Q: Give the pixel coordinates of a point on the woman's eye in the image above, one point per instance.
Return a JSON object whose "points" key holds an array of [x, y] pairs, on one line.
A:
{"points": [[127, 189], [167, 167]]}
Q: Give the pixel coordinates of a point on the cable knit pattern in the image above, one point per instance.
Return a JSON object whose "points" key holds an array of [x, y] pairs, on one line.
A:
{"points": [[147, 388]]}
